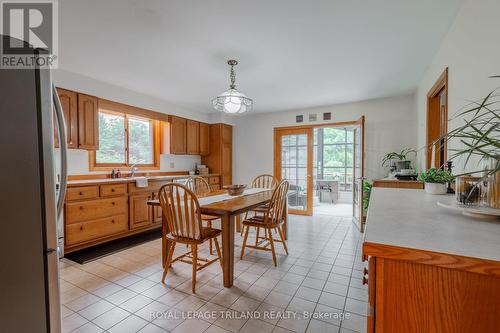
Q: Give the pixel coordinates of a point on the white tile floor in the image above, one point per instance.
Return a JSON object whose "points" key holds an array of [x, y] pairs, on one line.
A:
{"points": [[321, 276]]}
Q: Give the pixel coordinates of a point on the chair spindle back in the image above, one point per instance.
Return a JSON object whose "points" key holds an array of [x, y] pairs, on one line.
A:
{"points": [[276, 209], [198, 185], [264, 181], [181, 210]]}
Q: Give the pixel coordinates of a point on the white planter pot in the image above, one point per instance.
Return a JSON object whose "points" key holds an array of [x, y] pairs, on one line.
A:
{"points": [[435, 188]]}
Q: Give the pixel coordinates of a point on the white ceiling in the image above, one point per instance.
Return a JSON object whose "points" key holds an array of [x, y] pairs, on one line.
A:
{"points": [[292, 54]]}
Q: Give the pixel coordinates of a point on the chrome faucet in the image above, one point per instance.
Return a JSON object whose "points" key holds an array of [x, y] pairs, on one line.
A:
{"points": [[133, 170]]}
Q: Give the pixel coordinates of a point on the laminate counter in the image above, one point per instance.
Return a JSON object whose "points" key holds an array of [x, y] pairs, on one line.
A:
{"points": [[412, 219]]}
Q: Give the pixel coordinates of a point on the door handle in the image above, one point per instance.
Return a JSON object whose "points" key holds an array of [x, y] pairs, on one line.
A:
{"points": [[61, 125]]}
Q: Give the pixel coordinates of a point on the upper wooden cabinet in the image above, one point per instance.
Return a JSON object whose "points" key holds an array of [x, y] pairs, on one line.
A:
{"points": [[204, 139], [88, 122], [219, 160], [178, 131], [193, 137], [69, 103]]}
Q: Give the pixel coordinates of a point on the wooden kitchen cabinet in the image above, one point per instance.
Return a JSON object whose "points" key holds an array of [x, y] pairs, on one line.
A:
{"points": [[193, 137], [219, 160], [140, 213], [88, 122], [69, 104], [204, 139], [178, 132]]}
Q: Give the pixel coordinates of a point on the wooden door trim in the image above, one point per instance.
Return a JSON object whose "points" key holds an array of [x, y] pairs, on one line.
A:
{"points": [[439, 85], [278, 132], [336, 124], [361, 123]]}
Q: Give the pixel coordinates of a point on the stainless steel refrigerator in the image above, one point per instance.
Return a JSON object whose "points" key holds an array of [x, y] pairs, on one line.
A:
{"points": [[29, 204]]}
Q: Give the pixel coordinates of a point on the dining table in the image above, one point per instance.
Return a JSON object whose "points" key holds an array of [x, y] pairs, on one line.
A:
{"points": [[229, 209]]}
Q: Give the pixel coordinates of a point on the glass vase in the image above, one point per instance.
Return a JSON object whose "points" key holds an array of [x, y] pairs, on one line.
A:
{"points": [[491, 184], [468, 190]]}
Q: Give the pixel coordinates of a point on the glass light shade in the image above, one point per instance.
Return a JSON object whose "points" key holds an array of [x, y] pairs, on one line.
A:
{"points": [[232, 102]]}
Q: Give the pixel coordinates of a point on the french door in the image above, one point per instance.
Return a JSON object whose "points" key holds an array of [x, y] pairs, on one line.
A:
{"points": [[359, 174], [294, 162]]}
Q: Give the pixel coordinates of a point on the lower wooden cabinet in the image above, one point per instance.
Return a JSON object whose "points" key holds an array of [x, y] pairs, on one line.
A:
{"points": [[140, 213], [412, 291], [83, 231]]}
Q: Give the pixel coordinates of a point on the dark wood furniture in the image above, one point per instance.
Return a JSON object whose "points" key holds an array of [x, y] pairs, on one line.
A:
{"points": [[226, 210], [183, 216], [271, 220]]}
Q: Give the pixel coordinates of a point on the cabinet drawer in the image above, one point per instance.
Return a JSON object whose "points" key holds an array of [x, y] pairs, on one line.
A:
{"points": [[113, 189], [215, 187], [84, 192], [213, 180], [90, 230], [93, 209]]}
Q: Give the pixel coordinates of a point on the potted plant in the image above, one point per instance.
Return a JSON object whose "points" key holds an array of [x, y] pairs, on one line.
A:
{"points": [[398, 160], [435, 180], [479, 136]]}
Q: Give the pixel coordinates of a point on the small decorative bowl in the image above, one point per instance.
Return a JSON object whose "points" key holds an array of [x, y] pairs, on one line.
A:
{"points": [[235, 189]]}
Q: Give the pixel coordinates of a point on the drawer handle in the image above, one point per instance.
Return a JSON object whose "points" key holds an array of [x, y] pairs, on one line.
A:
{"points": [[81, 227], [112, 190], [81, 193], [365, 280], [113, 203], [81, 207], [112, 221], [365, 271]]}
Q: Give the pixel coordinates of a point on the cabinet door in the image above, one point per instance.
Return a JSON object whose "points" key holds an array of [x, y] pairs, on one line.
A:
{"points": [[69, 103], [204, 139], [178, 135], [227, 150], [140, 213], [88, 122], [193, 137]]}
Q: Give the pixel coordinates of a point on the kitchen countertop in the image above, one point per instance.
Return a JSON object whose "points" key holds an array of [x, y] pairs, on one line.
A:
{"points": [[412, 219], [129, 179]]}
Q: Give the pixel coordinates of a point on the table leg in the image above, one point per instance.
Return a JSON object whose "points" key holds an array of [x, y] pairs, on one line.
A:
{"points": [[228, 249], [238, 223]]}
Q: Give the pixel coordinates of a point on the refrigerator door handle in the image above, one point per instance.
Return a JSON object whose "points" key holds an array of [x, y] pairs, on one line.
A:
{"points": [[61, 125]]}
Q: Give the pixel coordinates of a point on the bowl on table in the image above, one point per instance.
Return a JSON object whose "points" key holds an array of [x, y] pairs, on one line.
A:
{"points": [[235, 189]]}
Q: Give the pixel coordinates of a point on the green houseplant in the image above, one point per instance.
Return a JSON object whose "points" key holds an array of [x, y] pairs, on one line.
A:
{"points": [[479, 138], [398, 160], [435, 180]]}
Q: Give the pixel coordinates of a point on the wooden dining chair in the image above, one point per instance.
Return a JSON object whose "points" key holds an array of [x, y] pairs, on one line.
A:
{"points": [[199, 186], [261, 181], [272, 220], [181, 210]]}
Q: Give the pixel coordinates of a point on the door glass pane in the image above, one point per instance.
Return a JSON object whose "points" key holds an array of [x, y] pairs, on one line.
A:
{"points": [[294, 169], [140, 141], [111, 139]]}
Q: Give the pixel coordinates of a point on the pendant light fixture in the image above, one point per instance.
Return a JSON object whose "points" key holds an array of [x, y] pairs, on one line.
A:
{"points": [[232, 101]]}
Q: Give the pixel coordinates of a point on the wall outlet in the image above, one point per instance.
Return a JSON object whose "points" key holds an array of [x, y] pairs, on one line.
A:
{"points": [[172, 165]]}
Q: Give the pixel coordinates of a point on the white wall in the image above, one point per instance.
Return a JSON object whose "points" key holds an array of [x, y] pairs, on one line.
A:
{"points": [[78, 162], [471, 50], [389, 124]]}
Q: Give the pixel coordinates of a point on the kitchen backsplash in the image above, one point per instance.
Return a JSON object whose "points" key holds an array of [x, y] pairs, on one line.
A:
{"points": [[78, 162]]}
